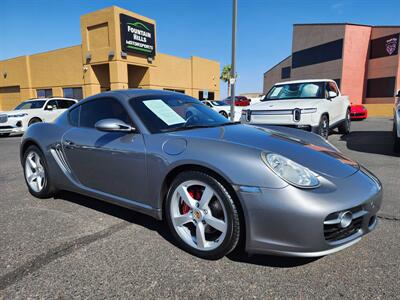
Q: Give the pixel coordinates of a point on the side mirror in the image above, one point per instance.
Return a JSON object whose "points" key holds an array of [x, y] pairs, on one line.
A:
{"points": [[49, 107], [398, 94], [331, 94], [113, 125]]}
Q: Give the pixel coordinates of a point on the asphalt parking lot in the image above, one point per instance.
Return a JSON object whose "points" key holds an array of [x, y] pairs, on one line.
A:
{"points": [[78, 247]]}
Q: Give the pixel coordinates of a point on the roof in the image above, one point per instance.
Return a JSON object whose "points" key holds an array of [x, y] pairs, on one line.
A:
{"points": [[305, 80], [48, 98], [353, 24]]}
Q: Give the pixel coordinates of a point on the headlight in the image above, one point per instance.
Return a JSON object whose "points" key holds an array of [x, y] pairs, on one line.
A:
{"points": [[290, 171], [17, 115]]}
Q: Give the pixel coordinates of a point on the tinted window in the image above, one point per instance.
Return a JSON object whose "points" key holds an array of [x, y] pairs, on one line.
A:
{"points": [[74, 93], [384, 46], [64, 104], [31, 104], [285, 73], [52, 103], [74, 116], [103, 108], [381, 87], [333, 88], [318, 54], [337, 82]]}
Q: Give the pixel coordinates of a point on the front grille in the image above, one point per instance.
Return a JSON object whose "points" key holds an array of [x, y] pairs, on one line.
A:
{"points": [[6, 127], [333, 231], [3, 118]]}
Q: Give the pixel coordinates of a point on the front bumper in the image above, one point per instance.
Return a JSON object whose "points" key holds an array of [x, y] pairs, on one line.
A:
{"points": [[290, 221], [13, 125]]}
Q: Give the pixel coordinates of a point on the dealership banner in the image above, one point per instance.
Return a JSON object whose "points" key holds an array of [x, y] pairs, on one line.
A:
{"points": [[137, 36]]}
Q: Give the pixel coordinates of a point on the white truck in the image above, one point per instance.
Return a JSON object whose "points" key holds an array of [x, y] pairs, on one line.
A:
{"points": [[315, 105], [32, 111]]}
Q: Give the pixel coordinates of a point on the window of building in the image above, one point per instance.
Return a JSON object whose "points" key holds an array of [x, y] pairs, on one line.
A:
{"points": [[44, 93], [381, 87], [103, 108], [285, 72], [384, 46], [318, 54], [174, 90], [211, 96], [75, 93]]}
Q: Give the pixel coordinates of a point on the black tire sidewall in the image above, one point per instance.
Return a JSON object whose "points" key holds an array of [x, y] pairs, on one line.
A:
{"points": [[48, 190], [232, 217], [33, 121], [321, 126], [223, 114]]}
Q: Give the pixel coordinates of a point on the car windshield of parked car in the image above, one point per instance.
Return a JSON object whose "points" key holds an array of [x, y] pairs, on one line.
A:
{"points": [[305, 90], [31, 104], [164, 113]]}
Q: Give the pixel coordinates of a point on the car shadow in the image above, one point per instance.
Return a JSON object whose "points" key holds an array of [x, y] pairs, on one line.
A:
{"points": [[374, 142], [162, 229]]}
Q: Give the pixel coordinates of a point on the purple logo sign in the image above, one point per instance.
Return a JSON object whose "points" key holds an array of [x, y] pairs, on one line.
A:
{"points": [[391, 45]]}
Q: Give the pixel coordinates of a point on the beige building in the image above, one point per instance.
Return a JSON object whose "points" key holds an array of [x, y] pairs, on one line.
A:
{"points": [[118, 51], [364, 61]]}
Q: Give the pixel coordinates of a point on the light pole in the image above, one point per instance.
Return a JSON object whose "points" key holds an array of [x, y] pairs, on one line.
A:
{"points": [[233, 68]]}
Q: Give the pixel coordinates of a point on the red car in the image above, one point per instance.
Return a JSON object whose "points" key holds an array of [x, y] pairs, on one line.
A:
{"points": [[358, 112], [239, 101]]}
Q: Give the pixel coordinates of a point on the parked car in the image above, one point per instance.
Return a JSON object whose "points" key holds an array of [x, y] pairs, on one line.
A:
{"points": [[358, 112], [281, 190], [32, 111], [313, 105], [223, 108], [239, 101], [396, 123]]}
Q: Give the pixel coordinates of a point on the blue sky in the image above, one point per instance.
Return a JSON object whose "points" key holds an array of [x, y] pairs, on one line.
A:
{"points": [[191, 27]]}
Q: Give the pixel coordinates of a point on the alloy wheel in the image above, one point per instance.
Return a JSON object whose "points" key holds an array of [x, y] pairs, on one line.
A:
{"points": [[198, 215], [34, 172]]}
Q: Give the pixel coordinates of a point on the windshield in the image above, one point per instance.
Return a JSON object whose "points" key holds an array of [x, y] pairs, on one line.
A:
{"points": [[30, 104], [305, 90], [163, 113]]}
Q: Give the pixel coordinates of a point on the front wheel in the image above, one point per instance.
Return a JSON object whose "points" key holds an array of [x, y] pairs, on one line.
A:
{"points": [[323, 128], [33, 121], [36, 173], [202, 215], [344, 128], [223, 113]]}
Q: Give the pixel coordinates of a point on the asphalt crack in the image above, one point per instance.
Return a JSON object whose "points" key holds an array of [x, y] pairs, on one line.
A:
{"points": [[389, 218], [55, 253]]}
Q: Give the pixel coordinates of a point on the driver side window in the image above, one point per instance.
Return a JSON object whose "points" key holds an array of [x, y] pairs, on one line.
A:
{"points": [[51, 105], [102, 108]]}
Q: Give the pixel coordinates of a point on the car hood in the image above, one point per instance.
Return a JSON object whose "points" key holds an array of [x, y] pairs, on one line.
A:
{"points": [[14, 112], [314, 153], [285, 104]]}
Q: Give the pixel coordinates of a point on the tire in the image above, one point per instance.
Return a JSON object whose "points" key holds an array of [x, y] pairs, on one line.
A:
{"points": [[33, 121], [345, 127], [4, 134], [223, 113], [396, 140], [187, 223], [323, 127], [40, 188]]}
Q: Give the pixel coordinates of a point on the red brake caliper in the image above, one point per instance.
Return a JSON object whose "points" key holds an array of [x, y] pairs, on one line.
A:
{"points": [[196, 195]]}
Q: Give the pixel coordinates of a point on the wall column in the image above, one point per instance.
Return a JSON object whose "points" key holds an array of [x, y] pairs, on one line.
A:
{"points": [[118, 75], [91, 84]]}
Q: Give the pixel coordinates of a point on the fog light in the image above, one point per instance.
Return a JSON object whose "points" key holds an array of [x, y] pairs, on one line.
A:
{"points": [[345, 219], [19, 124]]}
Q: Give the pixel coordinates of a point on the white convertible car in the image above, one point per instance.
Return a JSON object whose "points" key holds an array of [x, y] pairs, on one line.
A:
{"points": [[223, 108], [32, 111], [315, 105]]}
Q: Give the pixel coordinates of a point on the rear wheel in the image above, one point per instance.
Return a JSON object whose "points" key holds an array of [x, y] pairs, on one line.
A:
{"points": [[323, 129], [223, 113], [202, 215], [33, 121], [36, 173], [345, 127]]}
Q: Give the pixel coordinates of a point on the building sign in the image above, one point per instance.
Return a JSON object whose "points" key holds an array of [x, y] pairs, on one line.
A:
{"points": [[137, 36], [384, 46]]}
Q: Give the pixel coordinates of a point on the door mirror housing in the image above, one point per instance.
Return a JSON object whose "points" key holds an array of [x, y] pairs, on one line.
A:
{"points": [[331, 94], [113, 125], [49, 107]]}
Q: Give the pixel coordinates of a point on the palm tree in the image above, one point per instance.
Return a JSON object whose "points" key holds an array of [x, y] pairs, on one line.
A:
{"points": [[226, 76]]}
